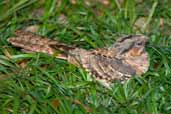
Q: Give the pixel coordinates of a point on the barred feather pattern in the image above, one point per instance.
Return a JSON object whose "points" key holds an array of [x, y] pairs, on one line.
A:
{"points": [[121, 61]]}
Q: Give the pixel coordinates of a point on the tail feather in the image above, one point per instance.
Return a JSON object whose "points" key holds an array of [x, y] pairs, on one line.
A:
{"points": [[33, 43]]}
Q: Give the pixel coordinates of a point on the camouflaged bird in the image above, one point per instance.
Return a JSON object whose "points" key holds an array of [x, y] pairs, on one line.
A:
{"points": [[125, 58]]}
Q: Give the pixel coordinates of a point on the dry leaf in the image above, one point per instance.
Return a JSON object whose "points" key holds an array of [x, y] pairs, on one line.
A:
{"points": [[139, 24], [161, 22], [77, 102], [88, 3], [23, 63], [32, 28], [85, 107], [156, 65], [55, 103], [38, 12], [58, 4], [104, 2], [73, 2], [62, 19], [6, 53]]}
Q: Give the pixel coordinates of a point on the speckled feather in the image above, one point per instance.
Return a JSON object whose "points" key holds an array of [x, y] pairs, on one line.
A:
{"points": [[125, 58]]}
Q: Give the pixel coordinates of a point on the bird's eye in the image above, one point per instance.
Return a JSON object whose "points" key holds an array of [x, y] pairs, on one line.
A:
{"points": [[139, 43]]}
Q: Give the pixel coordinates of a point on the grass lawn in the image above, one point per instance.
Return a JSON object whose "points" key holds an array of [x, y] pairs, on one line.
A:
{"points": [[39, 84]]}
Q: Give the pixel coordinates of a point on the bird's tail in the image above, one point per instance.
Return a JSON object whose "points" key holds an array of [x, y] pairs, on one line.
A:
{"points": [[30, 42]]}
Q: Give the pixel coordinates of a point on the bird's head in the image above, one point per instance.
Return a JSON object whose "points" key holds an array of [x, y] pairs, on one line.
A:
{"points": [[132, 50]]}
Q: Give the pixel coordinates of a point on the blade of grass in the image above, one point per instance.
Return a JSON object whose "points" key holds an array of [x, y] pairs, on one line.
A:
{"points": [[150, 15], [21, 4]]}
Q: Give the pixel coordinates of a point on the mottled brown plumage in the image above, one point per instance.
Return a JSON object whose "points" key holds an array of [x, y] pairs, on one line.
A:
{"points": [[125, 58]]}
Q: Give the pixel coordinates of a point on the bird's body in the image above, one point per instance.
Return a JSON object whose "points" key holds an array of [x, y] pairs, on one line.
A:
{"points": [[126, 58]]}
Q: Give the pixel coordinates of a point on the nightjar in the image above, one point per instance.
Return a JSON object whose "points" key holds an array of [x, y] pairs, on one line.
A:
{"points": [[127, 57]]}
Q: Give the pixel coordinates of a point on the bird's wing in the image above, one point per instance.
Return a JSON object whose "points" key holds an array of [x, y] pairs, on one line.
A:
{"points": [[103, 67], [106, 52]]}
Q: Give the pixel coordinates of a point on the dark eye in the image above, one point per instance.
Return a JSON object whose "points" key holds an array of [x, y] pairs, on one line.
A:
{"points": [[139, 43]]}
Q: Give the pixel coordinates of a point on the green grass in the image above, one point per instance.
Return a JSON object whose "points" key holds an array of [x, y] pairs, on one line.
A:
{"points": [[37, 83]]}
